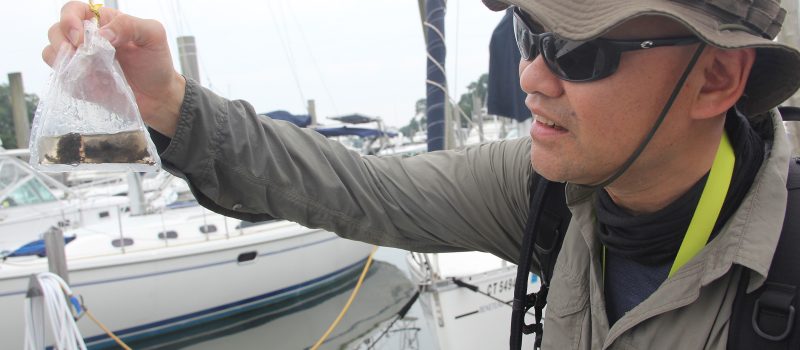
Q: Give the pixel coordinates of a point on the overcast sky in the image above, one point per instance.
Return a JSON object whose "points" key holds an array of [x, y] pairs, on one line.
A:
{"points": [[351, 56]]}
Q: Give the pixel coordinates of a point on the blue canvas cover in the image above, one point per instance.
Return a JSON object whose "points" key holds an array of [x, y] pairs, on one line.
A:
{"points": [[361, 132], [505, 97], [36, 248], [355, 119], [301, 120]]}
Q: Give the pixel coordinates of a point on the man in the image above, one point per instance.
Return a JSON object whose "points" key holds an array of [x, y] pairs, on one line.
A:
{"points": [[674, 101]]}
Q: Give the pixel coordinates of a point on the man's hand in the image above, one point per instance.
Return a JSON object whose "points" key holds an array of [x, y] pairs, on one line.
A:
{"points": [[143, 53]]}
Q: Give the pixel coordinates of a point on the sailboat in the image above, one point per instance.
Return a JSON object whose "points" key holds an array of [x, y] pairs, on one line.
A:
{"points": [[467, 296], [172, 268]]}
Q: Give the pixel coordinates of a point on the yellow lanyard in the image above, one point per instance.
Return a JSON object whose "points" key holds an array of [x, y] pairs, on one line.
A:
{"points": [[707, 211]]}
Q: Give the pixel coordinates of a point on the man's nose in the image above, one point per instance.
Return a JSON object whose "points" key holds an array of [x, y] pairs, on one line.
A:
{"points": [[536, 77]]}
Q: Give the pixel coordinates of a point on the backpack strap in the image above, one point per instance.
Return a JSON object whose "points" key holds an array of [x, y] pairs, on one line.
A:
{"points": [[548, 220], [767, 318]]}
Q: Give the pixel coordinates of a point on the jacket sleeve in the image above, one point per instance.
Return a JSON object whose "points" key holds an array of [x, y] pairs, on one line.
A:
{"points": [[249, 167]]}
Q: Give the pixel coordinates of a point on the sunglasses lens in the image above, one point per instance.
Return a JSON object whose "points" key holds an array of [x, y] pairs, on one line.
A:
{"points": [[527, 48], [569, 60], [577, 61]]}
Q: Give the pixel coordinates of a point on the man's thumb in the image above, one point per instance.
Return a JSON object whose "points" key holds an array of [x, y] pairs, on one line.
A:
{"points": [[126, 28]]}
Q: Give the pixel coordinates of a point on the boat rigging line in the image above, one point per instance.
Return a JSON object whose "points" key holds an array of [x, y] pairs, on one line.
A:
{"points": [[455, 57], [177, 16], [287, 51], [453, 102], [475, 289], [400, 315], [313, 58], [183, 28]]}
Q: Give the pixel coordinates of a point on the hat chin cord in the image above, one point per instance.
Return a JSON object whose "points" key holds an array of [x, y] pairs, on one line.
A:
{"points": [[635, 155]]}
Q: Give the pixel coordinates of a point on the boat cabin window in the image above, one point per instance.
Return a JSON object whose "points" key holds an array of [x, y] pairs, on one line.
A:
{"points": [[32, 191], [9, 175]]}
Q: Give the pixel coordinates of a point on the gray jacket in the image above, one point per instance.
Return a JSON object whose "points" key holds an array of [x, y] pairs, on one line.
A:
{"points": [[475, 198]]}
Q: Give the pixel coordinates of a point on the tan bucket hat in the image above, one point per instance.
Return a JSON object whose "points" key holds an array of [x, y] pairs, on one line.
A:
{"points": [[727, 24]]}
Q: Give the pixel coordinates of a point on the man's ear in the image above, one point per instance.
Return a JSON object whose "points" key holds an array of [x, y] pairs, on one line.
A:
{"points": [[724, 78]]}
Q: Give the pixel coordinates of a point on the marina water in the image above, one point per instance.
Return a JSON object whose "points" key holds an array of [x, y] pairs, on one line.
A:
{"points": [[299, 323]]}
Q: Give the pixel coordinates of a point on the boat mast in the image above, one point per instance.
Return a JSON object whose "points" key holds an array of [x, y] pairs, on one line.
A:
{"points": [[439, 127], [187, 52], [19, 110]]}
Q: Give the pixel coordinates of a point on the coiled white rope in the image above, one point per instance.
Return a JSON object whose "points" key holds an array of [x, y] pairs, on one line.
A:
{"points": [[53, 305]]}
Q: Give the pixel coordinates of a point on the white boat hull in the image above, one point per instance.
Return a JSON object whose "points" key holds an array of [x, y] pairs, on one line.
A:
{"points": [[21, 225], [147, 292], [299, 325], [461, 318]]}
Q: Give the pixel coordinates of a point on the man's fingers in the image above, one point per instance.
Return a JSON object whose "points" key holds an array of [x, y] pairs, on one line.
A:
{"points": [[50, 52], [55, 36], [72, 15], [57, 40], [49, 55]]}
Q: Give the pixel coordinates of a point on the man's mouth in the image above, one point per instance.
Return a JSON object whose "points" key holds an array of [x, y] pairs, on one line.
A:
{"points": [[547, 122]]}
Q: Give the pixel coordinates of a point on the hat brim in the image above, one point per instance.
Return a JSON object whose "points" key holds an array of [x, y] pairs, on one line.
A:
{"points": [[775, 75]]}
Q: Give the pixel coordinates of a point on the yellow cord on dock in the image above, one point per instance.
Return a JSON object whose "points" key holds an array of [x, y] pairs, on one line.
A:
{"points": [[316, 345], [349, 301], [105, 329]]}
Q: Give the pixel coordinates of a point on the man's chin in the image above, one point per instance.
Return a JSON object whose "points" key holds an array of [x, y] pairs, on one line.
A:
{"points": [[547, 165], [548, 172], [558, 171]]}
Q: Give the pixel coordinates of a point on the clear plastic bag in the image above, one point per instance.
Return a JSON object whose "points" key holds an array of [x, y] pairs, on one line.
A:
{"points": [[89, 119]]}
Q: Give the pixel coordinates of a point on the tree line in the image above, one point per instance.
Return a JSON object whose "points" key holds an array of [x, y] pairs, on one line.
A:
{"points": [[475, 88], [7, 134]]}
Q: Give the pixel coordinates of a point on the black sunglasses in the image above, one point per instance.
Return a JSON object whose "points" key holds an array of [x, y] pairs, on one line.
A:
{"points": [[579, 61]]}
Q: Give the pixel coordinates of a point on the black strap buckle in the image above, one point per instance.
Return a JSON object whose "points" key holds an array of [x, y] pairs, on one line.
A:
{"points": [[774, 318], [537, 301]]}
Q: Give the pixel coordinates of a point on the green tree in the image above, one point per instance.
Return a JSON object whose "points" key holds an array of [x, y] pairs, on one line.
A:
{"points": [[7, 120], [477, 88], [421, 105], [416, 125]]}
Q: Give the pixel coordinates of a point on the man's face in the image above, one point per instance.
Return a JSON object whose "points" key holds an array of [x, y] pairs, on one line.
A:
{"points": [[600, 123]]}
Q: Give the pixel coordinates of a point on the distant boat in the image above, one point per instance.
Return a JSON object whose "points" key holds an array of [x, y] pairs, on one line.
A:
{"points": [[177, 267], [31, 203], [459, 317]]}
